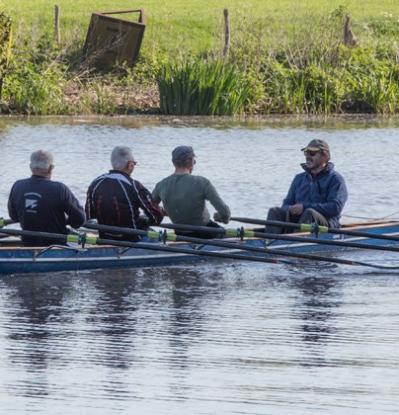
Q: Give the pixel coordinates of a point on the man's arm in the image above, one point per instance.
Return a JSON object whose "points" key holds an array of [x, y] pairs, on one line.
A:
{"points": [[221, 208], [150, 207], [12, 209], [90, 208], [156, 197], [290, 198], [72, 207]]}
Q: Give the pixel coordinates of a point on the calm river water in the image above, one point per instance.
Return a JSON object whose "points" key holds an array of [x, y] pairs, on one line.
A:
{"points": [[215, 338]]}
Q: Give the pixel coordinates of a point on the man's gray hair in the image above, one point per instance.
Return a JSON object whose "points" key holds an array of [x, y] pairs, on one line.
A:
{"points": [[41, 160], [120, 156]]}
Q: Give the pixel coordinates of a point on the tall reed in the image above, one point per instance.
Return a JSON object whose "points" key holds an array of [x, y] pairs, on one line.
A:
{"points": [[203, 88]]}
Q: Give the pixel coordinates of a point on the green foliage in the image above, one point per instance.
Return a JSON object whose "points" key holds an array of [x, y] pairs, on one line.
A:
{"points": [[360, 82], [145, 71], [203, 88], [35, 80], [371, 84], [385, 26], [5, 46], [314, 90], [32, 91], [310, 90]]}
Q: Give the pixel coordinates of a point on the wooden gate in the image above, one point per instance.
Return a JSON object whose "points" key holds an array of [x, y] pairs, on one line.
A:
{"points": [[112, 40]]}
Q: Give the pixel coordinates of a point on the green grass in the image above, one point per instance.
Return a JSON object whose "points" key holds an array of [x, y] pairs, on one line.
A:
{"points": [[197, 25]]}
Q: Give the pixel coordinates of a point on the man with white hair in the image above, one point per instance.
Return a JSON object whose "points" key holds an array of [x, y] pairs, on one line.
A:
{"points": [[115, 199], [42, 205]]}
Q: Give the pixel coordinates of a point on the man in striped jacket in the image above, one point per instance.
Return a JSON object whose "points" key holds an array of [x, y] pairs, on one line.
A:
{"points": [[115, 198]]}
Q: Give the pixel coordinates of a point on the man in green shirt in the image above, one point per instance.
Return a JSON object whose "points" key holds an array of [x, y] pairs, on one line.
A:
{"points": [[183, 195]]}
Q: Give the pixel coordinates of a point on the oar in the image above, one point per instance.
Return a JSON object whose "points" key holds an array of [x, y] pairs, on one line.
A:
{"points": [[34, 234], [231, 245], [306, 227], [5, 222], [139, 245], [247, 233]]}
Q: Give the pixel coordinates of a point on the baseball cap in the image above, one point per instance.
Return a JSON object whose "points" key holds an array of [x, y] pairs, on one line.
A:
{"points": [[182, 153], [316, 145]]}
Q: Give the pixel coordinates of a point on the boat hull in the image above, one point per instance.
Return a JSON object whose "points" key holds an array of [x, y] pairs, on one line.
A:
{"points": [[21, 260]]}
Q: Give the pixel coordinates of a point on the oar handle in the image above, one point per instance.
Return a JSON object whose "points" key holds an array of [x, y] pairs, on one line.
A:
{"points": [[305, 227], [193, 228]]}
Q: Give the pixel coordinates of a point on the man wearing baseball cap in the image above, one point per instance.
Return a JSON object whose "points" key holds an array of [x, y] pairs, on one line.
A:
{"points": [[184, 195], [317, 195]]}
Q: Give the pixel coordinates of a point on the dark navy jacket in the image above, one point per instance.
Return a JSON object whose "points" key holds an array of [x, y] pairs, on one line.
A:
{"points": [[325, 193], [39, 204]]}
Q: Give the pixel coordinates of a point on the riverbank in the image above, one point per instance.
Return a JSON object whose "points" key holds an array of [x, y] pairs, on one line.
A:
{"points": [[280, 60], [308, 122]]}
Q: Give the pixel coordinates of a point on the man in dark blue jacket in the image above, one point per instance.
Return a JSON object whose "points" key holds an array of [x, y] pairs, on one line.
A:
{"points": [[42, 205], [317, 195]]}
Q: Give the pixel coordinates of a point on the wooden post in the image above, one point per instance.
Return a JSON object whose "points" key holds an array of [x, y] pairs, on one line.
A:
{"points": [[226, 33], [57, 36], [349, 38]]}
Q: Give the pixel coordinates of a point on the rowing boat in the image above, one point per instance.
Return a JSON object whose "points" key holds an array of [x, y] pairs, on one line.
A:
{"points": [[16, 259]]}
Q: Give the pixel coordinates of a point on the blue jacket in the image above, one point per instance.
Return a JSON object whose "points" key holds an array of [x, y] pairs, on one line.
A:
{"points": [[325, 193]]}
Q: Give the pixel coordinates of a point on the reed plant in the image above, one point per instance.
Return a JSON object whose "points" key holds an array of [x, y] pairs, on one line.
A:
{"points": [[211, 87]]}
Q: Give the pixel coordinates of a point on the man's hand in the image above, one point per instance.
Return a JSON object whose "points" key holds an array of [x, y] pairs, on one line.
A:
{"points": [[296, 209], [218, 218], [143, 222]]}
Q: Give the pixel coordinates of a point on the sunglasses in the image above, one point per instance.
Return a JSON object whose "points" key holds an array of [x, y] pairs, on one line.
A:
{"points": [[133, 161], [311, 152]]}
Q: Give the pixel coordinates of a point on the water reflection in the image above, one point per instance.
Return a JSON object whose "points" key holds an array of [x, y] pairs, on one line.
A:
{"points": [[112, 316], [316, 310], [188, 314], [35, 308], [317, 307]]}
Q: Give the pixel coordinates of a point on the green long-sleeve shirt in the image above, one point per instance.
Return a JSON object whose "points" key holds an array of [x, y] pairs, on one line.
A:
{"points": [[183, 197]]}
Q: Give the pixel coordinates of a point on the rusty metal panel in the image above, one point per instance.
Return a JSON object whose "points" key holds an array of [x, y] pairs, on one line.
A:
{"points": [[111, 40]]}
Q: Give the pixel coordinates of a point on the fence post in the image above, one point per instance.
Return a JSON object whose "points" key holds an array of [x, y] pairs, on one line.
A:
{"points": [[349, 38], [57, 35], [226, 33]]}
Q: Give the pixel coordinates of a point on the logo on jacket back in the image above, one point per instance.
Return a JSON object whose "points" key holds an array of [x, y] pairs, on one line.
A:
{"points": [[31, 204]]}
